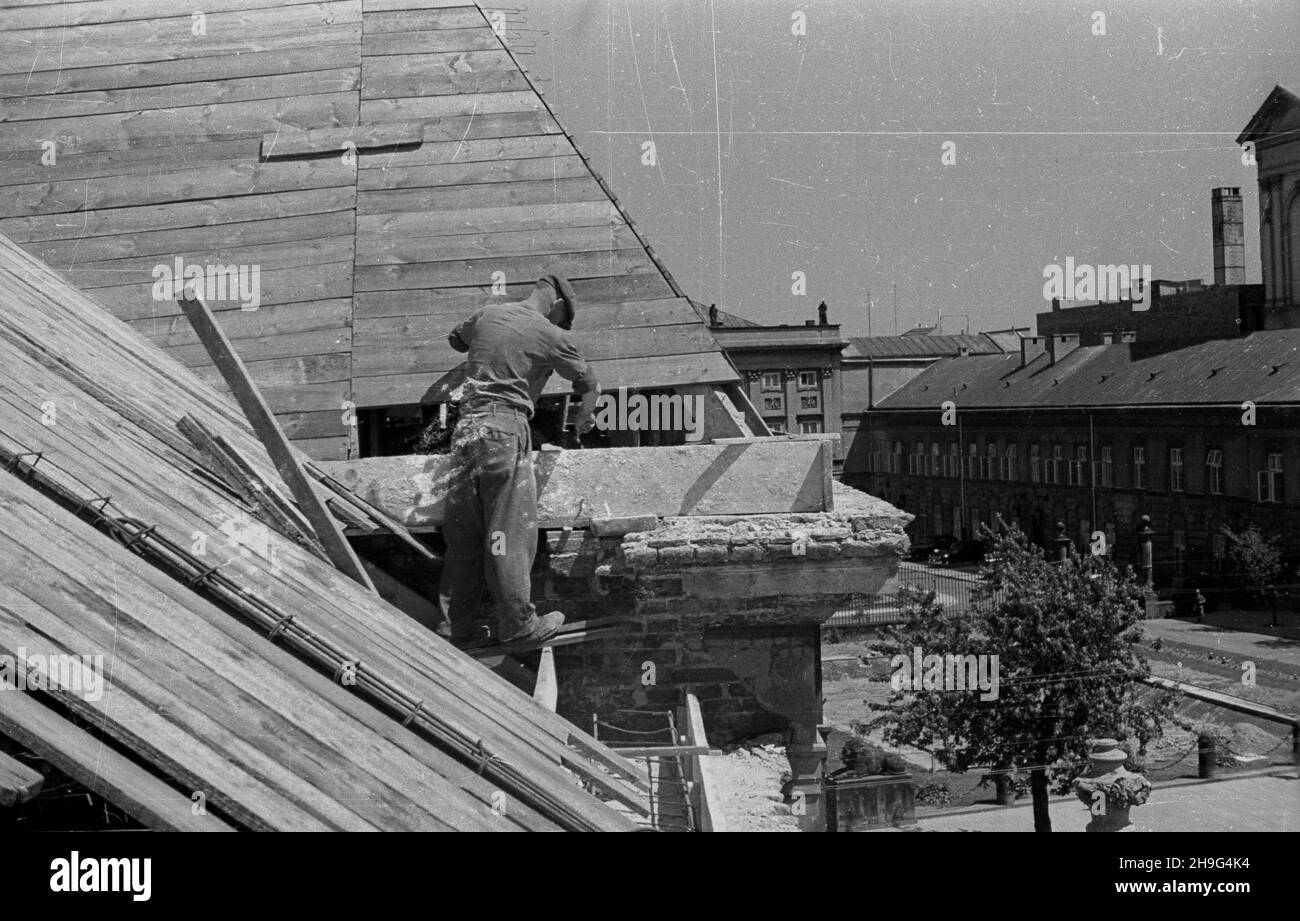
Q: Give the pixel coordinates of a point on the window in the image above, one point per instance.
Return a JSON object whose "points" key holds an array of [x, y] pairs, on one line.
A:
{"points": [[916, 460], [1074, 472], [807, 380], [1180, 550], [1269, 480], [1218, 550], [810, 402], [952, 463], [810, 427], [896, 465], [772, 380], [934, 458], [956, 521], [1058, 461], [1110, 538], [778, 427], [1035, 464], [1139, 467], [1009, 471], [773, 404], [1176, 469], [994, 466], [972, 461], [937, 518], [1214, 472], [1105, 470]]}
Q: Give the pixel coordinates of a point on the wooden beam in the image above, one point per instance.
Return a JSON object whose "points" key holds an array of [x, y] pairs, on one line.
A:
{"points": [[756, 477], [547, 691], [18, 782], [701, 770], [101, 769], [289, 141], [328, 531]]}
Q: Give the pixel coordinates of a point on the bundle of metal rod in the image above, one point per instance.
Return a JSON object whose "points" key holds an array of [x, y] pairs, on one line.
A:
{"points": [[144, 540]]}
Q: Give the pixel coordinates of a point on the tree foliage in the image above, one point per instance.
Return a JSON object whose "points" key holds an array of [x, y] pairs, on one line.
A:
{"points": [[1258, 559], [1069, 668]]}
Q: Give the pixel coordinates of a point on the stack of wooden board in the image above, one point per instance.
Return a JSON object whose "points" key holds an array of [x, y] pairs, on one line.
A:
{"points": [[385, 165], [197, 707]]}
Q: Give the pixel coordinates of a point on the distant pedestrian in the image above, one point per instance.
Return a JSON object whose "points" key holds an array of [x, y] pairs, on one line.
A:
{"points": [[1200, 607]]}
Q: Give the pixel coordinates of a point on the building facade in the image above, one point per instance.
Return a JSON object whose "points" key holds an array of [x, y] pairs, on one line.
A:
{"points": [[1272, 141], [1197, 438]]}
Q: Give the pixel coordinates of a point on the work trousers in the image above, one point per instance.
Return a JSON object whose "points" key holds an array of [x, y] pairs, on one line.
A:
{"points": [[491, 523]]}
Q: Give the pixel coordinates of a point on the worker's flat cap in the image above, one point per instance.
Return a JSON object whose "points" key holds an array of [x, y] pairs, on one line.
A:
{"points": [[563, 287]]}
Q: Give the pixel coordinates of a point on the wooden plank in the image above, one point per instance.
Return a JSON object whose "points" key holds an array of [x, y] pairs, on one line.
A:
{"points": [[277, 446], [498, 195], [547, 690], [435, 108], [337, 48], [428, 41], [178, 127], [575, 486], [469, 72], [102, 770], [404, 346], [179, 95], [436, 153], [245, 176], [468, 272], [20, 783], [634, 373], [466, 16], [376, 6], [290, 141], [185, 241], [458, 174], [396, 251], [124, 43], [540, 216], [451, 305], [702, 772], [88, 274], [197, 213], [53, 13], [308, 283], [611, 292]]}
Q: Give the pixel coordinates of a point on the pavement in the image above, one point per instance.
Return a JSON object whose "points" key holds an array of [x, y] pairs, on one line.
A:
{"points": [[1267, 801], [1240, 634]]}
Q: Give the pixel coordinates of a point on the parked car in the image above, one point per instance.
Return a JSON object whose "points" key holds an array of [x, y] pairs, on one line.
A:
{"points": [[969, 550], [924, 547]]}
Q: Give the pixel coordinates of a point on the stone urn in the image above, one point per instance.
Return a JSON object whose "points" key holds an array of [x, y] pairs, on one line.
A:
{"points": [[1109, 789]]}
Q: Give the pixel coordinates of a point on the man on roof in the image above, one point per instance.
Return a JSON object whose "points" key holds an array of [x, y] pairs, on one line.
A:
{"points": [[491, 518]]}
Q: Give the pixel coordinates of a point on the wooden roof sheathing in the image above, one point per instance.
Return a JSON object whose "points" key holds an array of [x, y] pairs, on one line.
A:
{"points": [[203, 700], [366, 258]]}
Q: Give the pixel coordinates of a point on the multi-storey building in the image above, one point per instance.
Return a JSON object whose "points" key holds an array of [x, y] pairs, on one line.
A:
{"points": [[1272, 141], [1196, 437]]}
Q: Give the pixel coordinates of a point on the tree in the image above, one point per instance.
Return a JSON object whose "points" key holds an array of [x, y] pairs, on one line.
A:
{"points": [[1258, 559], [1068, 668]]}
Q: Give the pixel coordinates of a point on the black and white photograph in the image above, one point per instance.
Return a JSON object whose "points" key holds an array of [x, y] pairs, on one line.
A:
{"points": [[678, 416]]}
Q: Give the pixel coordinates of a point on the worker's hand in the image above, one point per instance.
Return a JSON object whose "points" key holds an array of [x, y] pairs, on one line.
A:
{"points": [[585, 422]]}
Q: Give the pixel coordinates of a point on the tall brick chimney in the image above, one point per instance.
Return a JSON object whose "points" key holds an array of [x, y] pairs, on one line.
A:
{"points": [[1229, 236]]}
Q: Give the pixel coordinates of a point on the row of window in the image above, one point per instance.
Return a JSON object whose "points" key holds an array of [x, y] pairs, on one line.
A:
{"points": [[936, 522], [807, 380], [808, 402], [806, 426], [1059, 468]]}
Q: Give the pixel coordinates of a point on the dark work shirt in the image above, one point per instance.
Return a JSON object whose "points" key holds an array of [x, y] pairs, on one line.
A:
{"points": [[512, 351]]}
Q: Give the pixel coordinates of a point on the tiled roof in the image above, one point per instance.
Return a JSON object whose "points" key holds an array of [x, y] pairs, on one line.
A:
{"points": [[1263, 367], [917, 346]]}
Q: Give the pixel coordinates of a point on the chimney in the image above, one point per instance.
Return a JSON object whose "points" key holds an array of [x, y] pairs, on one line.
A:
{"points": [[1030, 348], [1229, 236], [1060, 346]]}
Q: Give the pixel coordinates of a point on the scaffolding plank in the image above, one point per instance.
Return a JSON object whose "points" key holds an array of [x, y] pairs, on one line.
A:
{"points": [[18, 782]]}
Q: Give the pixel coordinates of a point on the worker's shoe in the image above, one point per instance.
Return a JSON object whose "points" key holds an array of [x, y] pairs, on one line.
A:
{"points": [[545, 627]]}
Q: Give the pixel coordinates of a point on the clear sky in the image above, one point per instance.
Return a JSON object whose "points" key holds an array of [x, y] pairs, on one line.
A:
{"points": [[822, 152]]}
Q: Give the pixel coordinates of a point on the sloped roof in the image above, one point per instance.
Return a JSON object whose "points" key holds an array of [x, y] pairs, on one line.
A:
{"points": [[201, 698], [1269, 118], [1263, 367], [917, 346], [386, 164]]}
